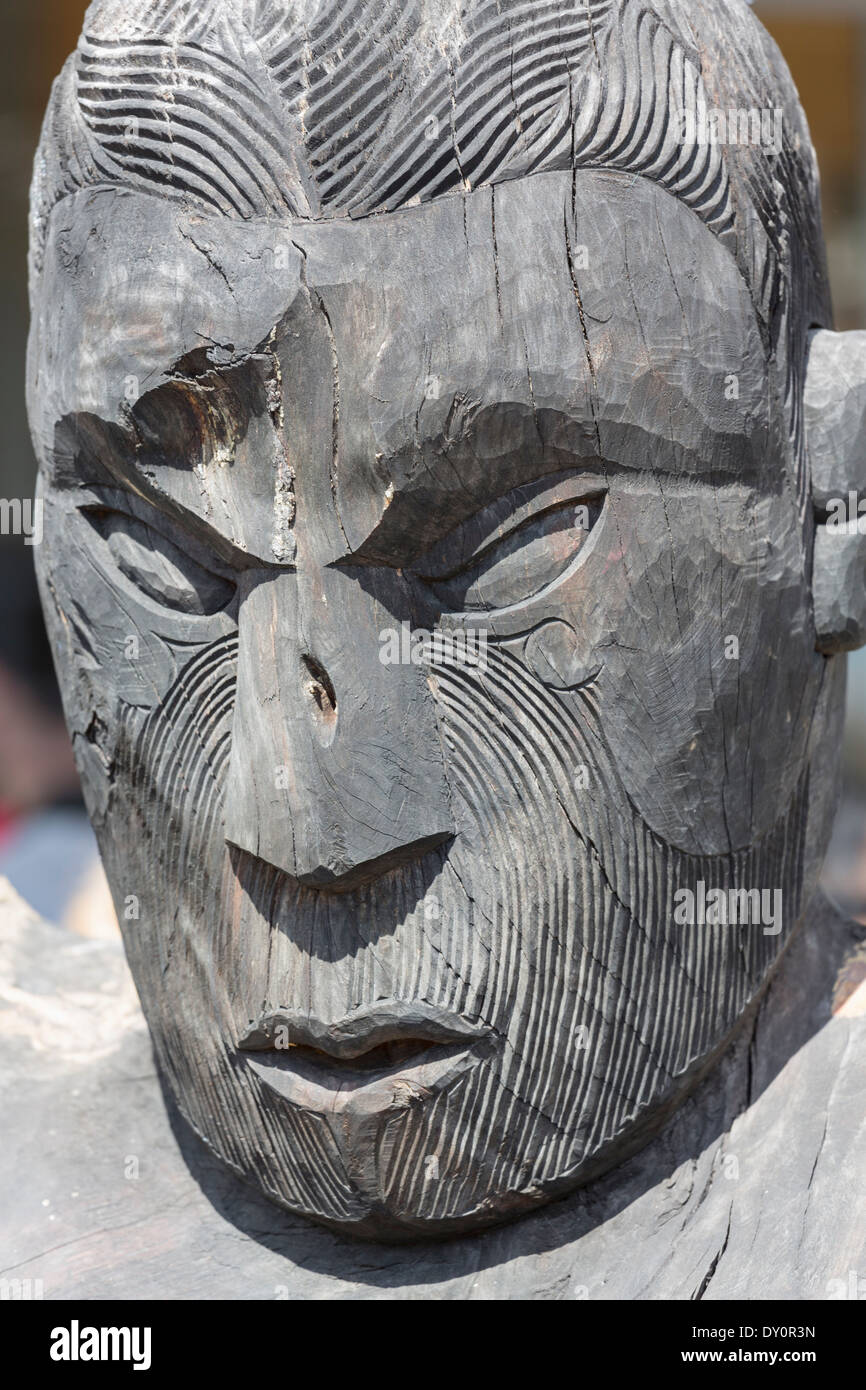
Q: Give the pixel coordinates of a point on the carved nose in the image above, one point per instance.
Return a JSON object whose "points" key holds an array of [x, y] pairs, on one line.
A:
{"points": [[336, 772], [323, 699]]}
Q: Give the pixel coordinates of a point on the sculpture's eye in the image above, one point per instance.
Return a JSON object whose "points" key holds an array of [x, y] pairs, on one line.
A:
{"points": [[518, 563], [158, 567]]}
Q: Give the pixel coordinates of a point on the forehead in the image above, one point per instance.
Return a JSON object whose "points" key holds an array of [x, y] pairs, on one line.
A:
{"points": [[424, 360]]}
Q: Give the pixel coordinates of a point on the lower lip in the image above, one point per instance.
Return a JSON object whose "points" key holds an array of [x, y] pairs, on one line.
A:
{"points": [[334, 1088]]}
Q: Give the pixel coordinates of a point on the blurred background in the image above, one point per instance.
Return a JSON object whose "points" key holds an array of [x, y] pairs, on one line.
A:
{"points": [[46, 847]]}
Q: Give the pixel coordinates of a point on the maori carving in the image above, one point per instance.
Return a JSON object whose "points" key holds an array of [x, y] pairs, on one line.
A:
{"points": [[355, 320]]}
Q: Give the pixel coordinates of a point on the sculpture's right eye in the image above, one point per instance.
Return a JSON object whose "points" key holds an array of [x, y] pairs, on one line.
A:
{"points": [[158, 567]]}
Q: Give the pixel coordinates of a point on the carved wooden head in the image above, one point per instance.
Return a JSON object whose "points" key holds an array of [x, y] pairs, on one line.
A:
{"points": [[420, 394]]}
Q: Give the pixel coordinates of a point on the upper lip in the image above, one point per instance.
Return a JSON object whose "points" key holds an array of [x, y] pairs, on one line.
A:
{"points": [[361, 1031]]}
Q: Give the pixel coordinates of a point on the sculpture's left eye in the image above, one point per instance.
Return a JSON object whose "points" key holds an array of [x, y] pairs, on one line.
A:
{"points": [[159, 568], [517, 565]]}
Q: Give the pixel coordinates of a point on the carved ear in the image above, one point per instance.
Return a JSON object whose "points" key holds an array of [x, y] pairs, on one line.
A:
{"points": [[835, 414]]}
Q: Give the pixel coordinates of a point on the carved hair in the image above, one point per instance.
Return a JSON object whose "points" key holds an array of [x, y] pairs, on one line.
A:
{"points": [[332, 108]]}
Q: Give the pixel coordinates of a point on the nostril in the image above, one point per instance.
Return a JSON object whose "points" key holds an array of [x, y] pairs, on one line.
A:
{"points": [[320, 689]]}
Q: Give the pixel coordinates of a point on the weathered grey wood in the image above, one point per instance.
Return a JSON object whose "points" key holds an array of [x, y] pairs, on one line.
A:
{"points": [[358, 321], [751, 1192]]}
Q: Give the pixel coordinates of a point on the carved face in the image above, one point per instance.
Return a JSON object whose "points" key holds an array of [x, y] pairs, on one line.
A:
{"points": [[405, 922]]}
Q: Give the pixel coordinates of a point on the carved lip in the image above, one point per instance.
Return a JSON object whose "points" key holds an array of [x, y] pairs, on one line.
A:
{"points": [[391, 1054], [366, 1030]]}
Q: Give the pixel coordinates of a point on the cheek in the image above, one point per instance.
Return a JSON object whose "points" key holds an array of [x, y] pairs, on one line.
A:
{"points": [[709, 678], [129, 671], [162, 840]]}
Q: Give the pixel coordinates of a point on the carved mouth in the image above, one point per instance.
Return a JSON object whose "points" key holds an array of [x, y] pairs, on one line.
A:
{"points": [[419, 1043], [389, 1056]]}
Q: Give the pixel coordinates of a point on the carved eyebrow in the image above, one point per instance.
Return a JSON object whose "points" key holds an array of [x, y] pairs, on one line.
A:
{"points": [[172, 519], [200, 404], [472, 539], [481, 521]]}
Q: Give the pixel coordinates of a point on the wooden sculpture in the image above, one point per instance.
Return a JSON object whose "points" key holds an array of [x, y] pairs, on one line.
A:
{"points": [[439, 427]]}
